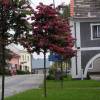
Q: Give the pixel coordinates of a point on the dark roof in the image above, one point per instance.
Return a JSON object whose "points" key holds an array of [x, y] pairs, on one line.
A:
{"points": [[87, 8]]}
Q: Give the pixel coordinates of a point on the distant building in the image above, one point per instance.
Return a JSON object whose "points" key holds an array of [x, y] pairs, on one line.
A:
{"points": [[85, 22], [22, 57], [25, 61], [14, 64]]}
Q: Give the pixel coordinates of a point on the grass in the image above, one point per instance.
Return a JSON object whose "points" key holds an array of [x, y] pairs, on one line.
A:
{"points": [[72, 90]]}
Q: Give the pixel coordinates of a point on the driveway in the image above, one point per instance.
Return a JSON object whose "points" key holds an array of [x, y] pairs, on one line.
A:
{"points": [[20, 83]]}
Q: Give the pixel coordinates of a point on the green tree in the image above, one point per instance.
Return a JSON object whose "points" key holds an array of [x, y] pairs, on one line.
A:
{"points": [[65, 10], [13, 25]]}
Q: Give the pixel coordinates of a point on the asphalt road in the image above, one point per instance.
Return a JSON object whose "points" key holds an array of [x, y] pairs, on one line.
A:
{"points": [[20, 83]]}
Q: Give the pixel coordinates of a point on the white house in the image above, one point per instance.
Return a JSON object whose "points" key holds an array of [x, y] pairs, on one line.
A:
{"points": [[25, 61]]}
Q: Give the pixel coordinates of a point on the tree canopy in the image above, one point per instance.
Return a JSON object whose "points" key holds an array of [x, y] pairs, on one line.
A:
{"points": [[49, 32], [13, 21]]}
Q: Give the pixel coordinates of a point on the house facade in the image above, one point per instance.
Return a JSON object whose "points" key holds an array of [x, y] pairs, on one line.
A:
{"points": [[14, 64], [25, 61], [85, 27], [21, 60]]}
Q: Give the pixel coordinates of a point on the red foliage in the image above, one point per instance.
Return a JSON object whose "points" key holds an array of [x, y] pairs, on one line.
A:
{"points": [[50, 31], [5, 3]]}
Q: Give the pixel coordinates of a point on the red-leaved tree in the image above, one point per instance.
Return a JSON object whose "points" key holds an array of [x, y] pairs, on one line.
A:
{"points": [[49, 32]]}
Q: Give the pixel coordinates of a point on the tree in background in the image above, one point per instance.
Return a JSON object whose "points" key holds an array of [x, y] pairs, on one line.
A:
{"points": [[55, 68], [13, 24], [8, 57], [49, 33], [65, 10]]}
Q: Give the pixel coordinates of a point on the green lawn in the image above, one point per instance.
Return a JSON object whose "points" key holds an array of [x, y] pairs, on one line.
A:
{"points": [[72, 90]]}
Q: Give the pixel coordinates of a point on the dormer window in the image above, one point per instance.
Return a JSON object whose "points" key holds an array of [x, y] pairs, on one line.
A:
{"points": [[95, 31]]}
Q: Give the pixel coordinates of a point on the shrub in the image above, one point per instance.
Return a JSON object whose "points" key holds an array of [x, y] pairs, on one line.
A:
{"points": [[50, 77], [7, 72]]}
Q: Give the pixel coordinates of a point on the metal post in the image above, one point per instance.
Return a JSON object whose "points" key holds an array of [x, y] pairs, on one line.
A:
{"points": [[82, 74], [3, 71], [66, 68], [61, 74], [45, 88], [54, 3]]}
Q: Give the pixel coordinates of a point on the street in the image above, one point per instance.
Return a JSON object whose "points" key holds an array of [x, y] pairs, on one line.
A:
{"points": [[20, 83]]}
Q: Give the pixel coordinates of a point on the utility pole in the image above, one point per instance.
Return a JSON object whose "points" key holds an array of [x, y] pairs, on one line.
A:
{"points": [[54, 3], [45, 87]]}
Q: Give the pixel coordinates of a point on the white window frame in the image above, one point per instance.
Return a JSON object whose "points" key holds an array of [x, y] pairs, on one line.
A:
{"points": [[92, 31]]}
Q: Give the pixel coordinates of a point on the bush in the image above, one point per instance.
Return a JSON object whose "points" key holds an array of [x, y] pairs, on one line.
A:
{"points": [[50, 77], [7, 72]]}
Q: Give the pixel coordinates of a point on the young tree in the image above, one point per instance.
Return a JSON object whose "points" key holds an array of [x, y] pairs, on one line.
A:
{"points": [[12, 25], [49, 32]]}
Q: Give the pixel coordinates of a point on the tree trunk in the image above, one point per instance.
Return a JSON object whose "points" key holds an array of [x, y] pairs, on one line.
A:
{"points": [[3, 70], [45, 90], [2, 43]]}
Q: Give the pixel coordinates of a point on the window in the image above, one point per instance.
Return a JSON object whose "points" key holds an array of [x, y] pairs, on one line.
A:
{"points": [[23, 57], [95, 31]]}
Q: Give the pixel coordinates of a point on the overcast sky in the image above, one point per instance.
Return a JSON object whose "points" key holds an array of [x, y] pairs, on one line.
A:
{"points": [[57, 2]]}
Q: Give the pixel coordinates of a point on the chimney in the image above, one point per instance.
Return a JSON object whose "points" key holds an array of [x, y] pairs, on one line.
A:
{"points": [[71, 8]]}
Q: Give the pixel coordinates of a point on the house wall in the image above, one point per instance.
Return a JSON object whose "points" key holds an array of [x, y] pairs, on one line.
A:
{"points": [[86, 12], [86, 48], [76, 61], [14, 61], [87, 42], [85, 30], [26, 61], [95, 66], [87, 55]]}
